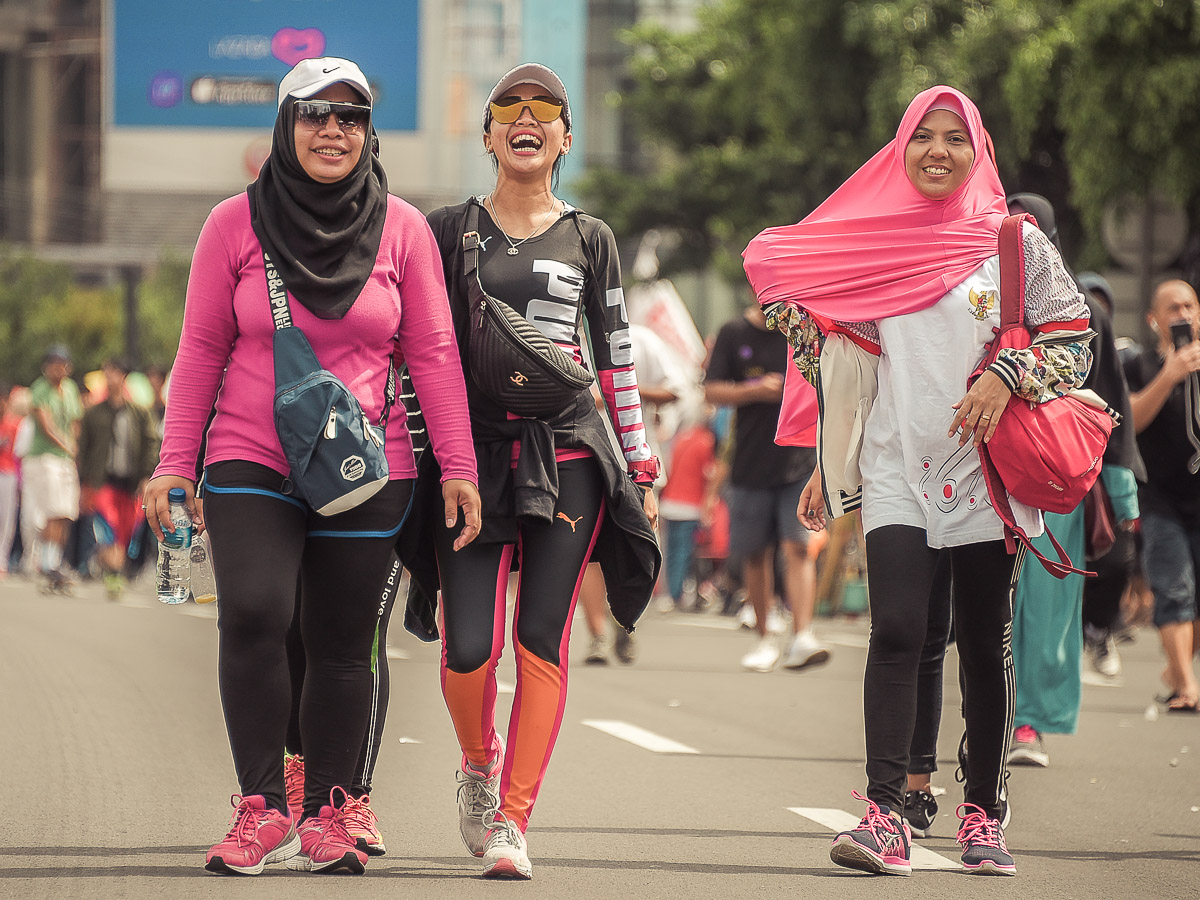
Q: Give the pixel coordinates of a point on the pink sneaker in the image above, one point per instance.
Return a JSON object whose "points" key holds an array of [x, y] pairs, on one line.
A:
{"points": [[326, 845], [363, 825], [293, 783], [257, 836], [880, 844]]}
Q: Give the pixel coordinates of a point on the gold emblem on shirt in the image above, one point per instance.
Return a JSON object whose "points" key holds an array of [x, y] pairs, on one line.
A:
{"points": [[982, 303]]}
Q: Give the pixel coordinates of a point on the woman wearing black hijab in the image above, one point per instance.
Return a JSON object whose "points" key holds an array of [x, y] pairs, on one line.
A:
{"points": [[365, 285], [1047, 615]]}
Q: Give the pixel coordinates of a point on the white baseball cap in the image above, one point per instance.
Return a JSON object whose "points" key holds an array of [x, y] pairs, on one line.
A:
{"points": [[529, 73], [311, 76]]}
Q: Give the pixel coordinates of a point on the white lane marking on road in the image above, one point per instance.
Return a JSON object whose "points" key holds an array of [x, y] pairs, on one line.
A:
{"points": [[838, 820], [396, 653], [647, 740], [722, 624]]}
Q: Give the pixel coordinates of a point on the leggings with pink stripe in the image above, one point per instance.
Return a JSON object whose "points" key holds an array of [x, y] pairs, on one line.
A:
{"points": [[553, 557]]}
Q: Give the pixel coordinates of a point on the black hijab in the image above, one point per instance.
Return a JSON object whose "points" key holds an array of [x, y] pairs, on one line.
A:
{"points": [[324, 238]]}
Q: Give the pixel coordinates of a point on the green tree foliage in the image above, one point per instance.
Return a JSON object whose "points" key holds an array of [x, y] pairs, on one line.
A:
{"points": [[757, 115], [41, 305], [1121, 79]]}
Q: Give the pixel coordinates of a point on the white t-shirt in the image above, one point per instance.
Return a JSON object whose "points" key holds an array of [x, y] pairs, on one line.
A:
{"points": [[913, 473]]}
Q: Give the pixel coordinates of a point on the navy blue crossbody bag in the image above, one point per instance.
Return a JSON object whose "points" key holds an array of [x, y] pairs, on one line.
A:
{"points": [[336, 455]]}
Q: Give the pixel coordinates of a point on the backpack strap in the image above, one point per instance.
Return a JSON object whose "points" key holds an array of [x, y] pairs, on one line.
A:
{"points": [[1012, 272], [470, 238], [281, 311]]}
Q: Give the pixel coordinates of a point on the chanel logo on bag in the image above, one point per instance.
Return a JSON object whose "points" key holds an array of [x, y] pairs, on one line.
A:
{"points": [[517, 378], [353, 468]]}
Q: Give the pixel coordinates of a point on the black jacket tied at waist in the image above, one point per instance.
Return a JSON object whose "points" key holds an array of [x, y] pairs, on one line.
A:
{"points": [[626, 547]]}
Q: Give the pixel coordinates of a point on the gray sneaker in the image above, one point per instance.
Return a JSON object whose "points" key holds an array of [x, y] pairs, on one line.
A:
{"points": [[597, 654], [506, 854], [478, 800]]}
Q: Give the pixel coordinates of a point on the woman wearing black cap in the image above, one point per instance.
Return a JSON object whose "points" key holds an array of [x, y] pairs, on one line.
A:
{"points": [[555, 494], [363, 282]]}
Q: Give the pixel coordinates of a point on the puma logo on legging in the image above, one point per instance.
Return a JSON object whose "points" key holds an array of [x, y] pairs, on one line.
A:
{"points": [[569, 520]]}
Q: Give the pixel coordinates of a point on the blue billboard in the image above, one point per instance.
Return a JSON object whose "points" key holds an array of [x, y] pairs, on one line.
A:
{"points": [[217, 63]]}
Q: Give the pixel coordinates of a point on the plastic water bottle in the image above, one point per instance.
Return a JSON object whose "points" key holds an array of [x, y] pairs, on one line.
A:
{"points": [[174, 552], [204, 582]]}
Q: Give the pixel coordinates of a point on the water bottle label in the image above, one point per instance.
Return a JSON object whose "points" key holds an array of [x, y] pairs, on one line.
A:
{"points": [[180, 539]]}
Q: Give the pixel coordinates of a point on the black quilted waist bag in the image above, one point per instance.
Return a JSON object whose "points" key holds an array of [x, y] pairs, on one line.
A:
{"points": [[511, 361]]}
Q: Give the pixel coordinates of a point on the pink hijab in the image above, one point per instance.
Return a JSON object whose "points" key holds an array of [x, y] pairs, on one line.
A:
{"points": [[878, 247]]}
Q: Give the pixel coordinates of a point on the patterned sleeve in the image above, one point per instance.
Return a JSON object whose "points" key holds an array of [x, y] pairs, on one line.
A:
{"points": [[1058, 361], [806, 337], [612, 350]]}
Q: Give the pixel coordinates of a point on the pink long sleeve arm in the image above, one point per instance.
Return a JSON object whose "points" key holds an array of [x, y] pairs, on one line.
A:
{"points": [[427, 343], [204, 347]]}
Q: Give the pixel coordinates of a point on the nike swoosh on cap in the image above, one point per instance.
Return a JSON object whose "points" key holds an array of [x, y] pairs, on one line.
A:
{"points": [[327, 71]]}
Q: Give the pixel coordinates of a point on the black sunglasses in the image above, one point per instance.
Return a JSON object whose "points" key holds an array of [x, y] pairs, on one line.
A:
{"points": [[351, 117]]}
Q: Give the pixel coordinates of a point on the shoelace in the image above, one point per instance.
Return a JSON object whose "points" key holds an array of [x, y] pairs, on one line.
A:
{"points": [[979, 828], [502, 830], [357, 813], [876, 818], [1025, 734], [475, 794], [293, 779], [243, 826]]}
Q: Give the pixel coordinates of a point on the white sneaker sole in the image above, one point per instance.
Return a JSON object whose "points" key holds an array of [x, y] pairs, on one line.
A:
{"points": [[504, 867], [848, 853], [816, 658], [1026, 756], [348, 862], [283, 853]]}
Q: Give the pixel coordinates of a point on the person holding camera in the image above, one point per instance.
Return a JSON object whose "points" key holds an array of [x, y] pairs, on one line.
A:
{"points": [[359, 271], [1165, 399]]}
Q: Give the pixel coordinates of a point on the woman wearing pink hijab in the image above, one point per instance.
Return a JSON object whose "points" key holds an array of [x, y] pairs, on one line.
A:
{"points": [[889, 293]]}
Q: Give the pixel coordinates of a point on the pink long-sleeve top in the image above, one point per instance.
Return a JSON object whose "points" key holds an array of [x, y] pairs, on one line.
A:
{"points": [[225, 351]]}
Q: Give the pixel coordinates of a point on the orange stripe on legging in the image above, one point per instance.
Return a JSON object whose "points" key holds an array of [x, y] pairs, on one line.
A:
{"points": [[471, 696], [537, 713], [536, 717]]}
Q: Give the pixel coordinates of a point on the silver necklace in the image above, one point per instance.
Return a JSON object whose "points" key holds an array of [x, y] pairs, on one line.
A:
{"points": [[513, 245]]}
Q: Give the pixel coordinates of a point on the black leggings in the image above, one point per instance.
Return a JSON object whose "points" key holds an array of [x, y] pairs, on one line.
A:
{"points": [[922, 752], [266, 547], [364, 771], [900, 571], [1102, 594]]}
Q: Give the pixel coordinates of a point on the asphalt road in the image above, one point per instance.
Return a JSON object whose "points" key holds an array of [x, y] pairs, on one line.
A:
{"points": [[117, 773]]}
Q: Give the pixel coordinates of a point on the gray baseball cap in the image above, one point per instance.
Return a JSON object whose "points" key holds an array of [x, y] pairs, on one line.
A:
{"points": [[529, 73]]}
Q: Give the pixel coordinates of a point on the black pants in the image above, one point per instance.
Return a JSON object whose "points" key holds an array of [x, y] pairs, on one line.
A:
{"points": [[266, 547], [922, 751], [364, 771], [1102, 594], [900, 572]]}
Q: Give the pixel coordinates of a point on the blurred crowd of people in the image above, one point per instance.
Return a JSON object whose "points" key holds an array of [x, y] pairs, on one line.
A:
{"points": [[74, 458]]}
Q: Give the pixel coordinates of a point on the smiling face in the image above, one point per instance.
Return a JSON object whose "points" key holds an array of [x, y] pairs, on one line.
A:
{"points": [[939, 155], [329, 153], [527, 147]]}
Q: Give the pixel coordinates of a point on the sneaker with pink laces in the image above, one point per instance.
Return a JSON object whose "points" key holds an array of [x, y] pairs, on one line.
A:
{"points": [[982, 840], [293, 783], [478, 798], [257, 836], [880, 844], [326, 845], [363, 825]]}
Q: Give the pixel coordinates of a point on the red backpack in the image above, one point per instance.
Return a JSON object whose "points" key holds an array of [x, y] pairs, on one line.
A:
{"points": [[1046, 455]]}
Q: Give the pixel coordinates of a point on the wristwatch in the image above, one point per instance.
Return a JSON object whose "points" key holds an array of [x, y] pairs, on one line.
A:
{"points": [[645, 471]]}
